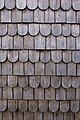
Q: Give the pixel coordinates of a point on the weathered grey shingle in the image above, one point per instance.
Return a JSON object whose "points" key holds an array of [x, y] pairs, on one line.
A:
{"points": [[5, 16], [22, 29], [10, 4], [50, 93], [18, 68], [23, 56], [29, 68], [76, 4], [45, 81], [45, 56], [45, 29], [50, 68], [75, 30], [20, 4], [43, 105], [12, 29], [55, 81], [17, 93], [50, 42], [12, 56], [18, 42], [61, 69], [3, 29], [39, 68], [60, 16], [71, 16], [65, 5], [33, 106], [7, 42], [49, 16], [3, 81], [7, 68], [64, 106], [34, 81], [23, 81], [3, 105], [56, 56], [33, 56], [22, 105], [33, 29], [38, 16], [39, 42], [39, 93], [16, 16], [66, 28], [61, 42], [3, 56], [32, 4], [2, 4], [12, 105], [53, 106], [27, 16], [12, 81], [56, 29], [54, 4], [43, 5], [67, 56]]}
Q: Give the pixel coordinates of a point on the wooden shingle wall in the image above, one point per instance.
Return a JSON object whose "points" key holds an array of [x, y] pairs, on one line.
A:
{"points": [[39, 59]]}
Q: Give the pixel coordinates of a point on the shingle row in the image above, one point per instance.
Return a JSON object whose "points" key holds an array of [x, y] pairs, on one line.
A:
{"points": [[39, 81], [39, 68], [39, 115], [39, 16], [39, 42], [44, 29], [30, 4], [41, 106], [33, 56], [29, 93]]}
